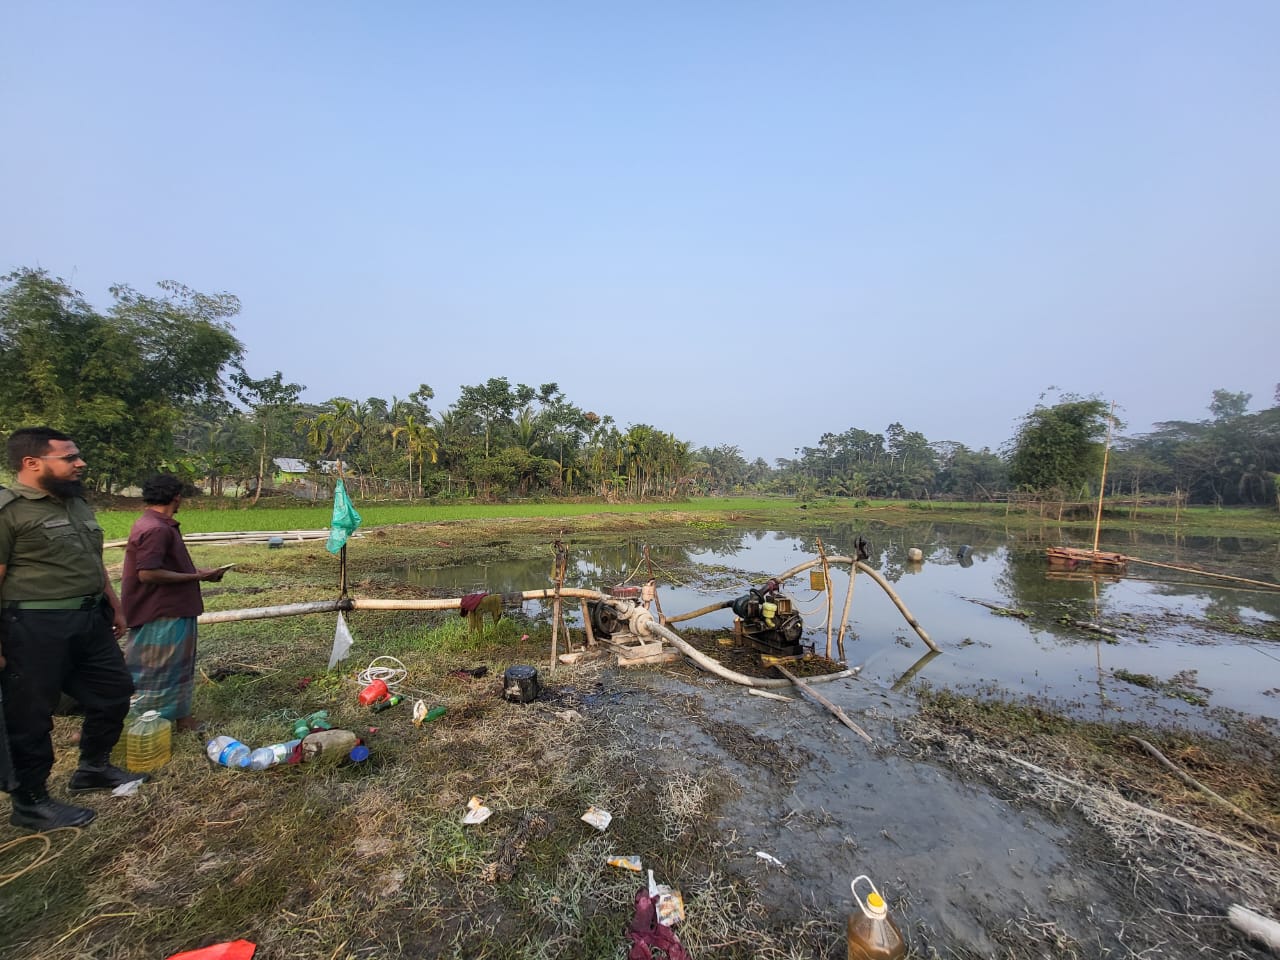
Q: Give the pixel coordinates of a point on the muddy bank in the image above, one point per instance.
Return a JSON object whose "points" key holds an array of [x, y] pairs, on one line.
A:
{"points": [[979, 857]]}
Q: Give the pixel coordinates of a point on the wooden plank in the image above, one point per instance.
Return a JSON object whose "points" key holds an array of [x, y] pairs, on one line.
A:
{"points": [[839, 714]]}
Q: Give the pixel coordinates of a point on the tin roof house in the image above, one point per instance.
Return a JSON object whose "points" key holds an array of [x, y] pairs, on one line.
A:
{"points": [[305, 479]]}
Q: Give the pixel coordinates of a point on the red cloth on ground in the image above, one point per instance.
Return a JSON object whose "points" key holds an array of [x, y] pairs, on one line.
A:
{"points": [[648, 935]]}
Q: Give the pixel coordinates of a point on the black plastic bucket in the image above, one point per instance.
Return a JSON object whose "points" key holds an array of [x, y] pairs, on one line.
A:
{"points": [[520, 684]]}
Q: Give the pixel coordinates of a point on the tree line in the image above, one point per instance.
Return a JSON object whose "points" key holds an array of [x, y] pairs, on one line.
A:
{"points": [[161, 382]]}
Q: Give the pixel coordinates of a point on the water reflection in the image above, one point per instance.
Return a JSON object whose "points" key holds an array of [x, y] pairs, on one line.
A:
{"points": [[914, 670], [1159, 619]]}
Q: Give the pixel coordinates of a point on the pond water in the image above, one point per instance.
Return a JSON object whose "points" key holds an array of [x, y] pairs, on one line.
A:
{"points": [[1203, 642]]}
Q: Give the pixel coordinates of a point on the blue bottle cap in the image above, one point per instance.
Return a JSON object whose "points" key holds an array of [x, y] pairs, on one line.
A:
{"points": [[359, 752]]}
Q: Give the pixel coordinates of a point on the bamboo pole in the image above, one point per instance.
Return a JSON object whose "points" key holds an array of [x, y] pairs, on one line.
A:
{"points": [[826, 579], [1205, 573], [586, 624], [250, 536], [844, 617], [1102, 484], [1193, 782], [564, 625], [700, 612], [267, 613], [770, 695], [559, 565], [656, 602], [555, 629], [836, 711], [455, 603]]}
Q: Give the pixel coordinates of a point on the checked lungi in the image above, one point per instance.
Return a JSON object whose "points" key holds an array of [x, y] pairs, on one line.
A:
{"points": [[161, 656]]}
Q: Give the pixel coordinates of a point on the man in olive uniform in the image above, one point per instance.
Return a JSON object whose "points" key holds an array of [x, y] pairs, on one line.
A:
{"points": [[59, 623]]}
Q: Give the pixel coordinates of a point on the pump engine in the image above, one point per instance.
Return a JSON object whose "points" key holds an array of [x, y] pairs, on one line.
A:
{"points": [[769, 621]]}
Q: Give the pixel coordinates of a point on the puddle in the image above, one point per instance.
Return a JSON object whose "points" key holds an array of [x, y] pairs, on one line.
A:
{"points": [[1216, 639]]}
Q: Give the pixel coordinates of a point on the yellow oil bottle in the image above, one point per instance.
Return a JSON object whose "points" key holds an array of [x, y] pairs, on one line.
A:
{"points": [[148, 743], [872, 934]]}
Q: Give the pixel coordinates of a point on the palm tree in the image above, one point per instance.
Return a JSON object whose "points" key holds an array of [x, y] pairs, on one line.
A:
{"points": [[333, 431], [420, 441]]}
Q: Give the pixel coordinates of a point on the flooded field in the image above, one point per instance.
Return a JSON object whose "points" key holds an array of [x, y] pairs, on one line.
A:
{"points": [[995, 828], [980, 859], [1183, 645]]}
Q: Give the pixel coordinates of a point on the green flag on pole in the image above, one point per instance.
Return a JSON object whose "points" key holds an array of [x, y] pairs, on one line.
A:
{"points": [[345, 519]]}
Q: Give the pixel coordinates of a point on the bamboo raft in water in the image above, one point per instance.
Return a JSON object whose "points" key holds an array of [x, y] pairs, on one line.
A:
{"points": [[1072, 557]]}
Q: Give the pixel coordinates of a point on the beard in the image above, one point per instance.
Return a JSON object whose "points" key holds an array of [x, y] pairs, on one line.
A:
{"points": [[62, 489]]}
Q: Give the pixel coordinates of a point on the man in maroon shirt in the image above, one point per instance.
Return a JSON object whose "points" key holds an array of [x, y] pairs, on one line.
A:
{"points": [[160, 591]]}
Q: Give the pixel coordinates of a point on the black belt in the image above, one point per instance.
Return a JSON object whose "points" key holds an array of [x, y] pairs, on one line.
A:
{"points": [[69, 603]]}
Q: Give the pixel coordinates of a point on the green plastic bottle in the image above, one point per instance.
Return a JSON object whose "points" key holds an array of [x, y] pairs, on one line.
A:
{"points": [[310, 723], [387, 704]]}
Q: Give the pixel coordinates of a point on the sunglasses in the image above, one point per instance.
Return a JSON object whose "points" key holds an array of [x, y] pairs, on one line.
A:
{"points": [[67, 458]]}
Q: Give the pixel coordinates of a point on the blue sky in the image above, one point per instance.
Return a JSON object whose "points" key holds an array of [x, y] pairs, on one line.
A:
{"points": [[739, 222]]}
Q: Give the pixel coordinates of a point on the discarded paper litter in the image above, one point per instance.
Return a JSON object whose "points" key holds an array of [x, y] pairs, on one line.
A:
{"points": [[770, 858], [626, 863], [477, 812], [127, 789], [670, 904], [598, 818]]}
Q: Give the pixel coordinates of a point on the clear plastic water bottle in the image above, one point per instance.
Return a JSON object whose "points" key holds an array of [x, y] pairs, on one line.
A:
{"points": [[148, 742], [265, 757], [229, 752]]}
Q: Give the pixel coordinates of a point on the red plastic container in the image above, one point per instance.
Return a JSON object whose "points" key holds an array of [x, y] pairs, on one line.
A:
{"points": [[374, 692]]}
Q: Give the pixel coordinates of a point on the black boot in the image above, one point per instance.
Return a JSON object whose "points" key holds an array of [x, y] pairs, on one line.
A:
{"points": [[34, 809], [100, 774]]}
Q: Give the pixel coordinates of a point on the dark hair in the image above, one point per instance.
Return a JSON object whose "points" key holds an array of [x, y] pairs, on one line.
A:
{"points": [[31, 442], [161, 489]]}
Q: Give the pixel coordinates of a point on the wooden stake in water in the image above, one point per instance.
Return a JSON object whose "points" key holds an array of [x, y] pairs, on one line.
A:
{"points": [[1102, 484], [826, 578]]}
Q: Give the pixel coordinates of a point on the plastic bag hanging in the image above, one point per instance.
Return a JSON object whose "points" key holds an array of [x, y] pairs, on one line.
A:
{"points": [[345, 519], [342, 642]]}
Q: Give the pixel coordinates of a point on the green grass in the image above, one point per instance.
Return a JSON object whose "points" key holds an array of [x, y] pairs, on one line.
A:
{"points": [[209, 516], [202, 516]]}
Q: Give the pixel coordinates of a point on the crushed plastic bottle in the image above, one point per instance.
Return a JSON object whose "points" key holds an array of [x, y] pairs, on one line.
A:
{"points": [[328, 745], [265, 757], [229, 752]]}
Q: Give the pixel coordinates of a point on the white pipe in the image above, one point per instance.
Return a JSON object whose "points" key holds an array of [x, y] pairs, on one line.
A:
{"points": [[713, 666], [1263, 929]]}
